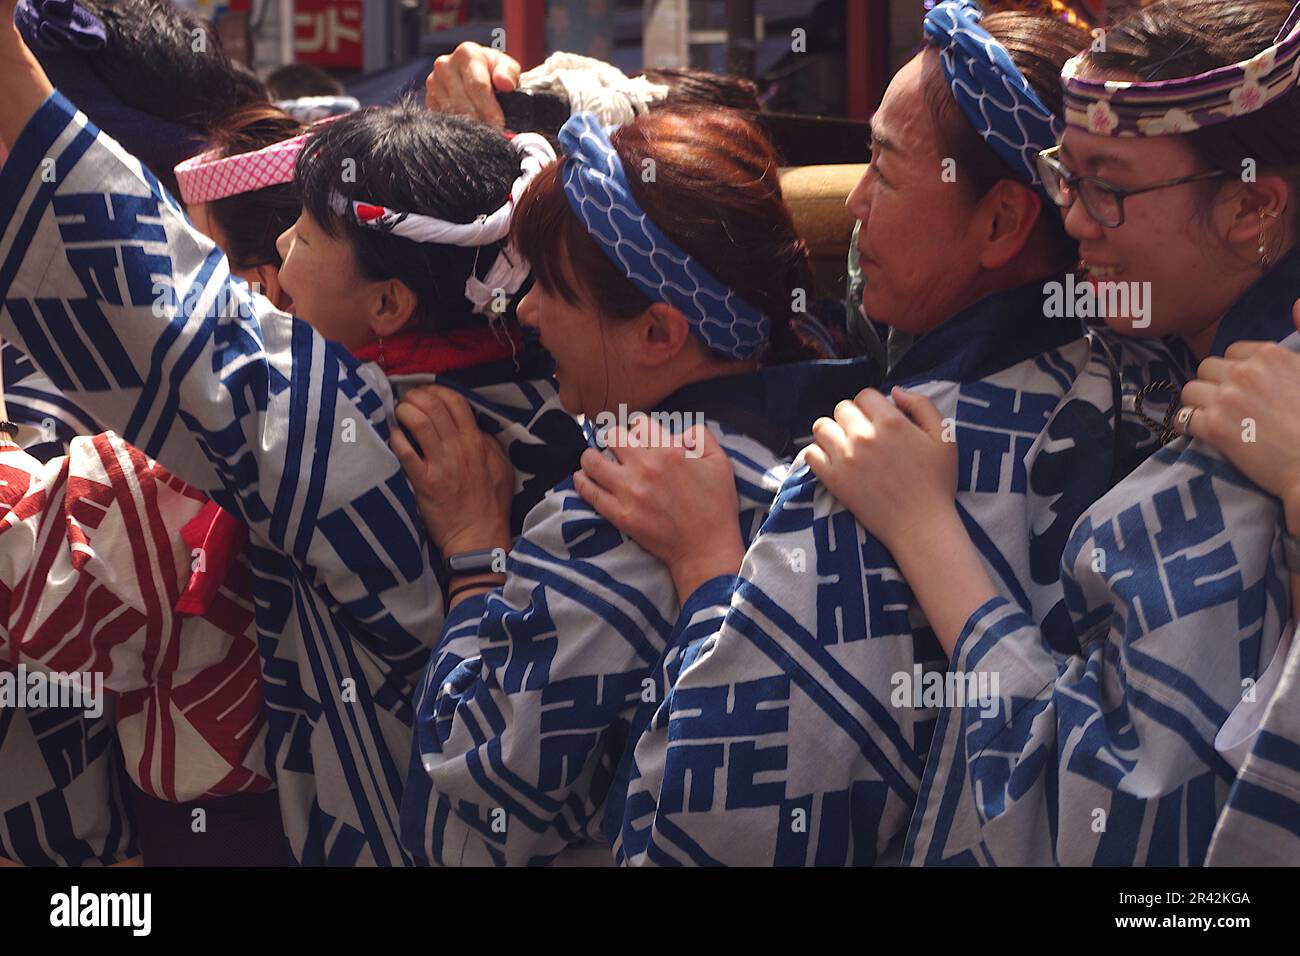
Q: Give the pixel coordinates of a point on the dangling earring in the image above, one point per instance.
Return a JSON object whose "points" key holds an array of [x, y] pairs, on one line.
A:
{"points": [[384, 365], [1263, 247]]}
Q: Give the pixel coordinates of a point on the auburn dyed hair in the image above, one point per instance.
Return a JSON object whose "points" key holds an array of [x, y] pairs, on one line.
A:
{"points": [[709, 180]]}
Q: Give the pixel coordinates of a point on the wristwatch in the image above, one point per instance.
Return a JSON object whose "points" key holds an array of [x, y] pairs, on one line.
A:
{"points": [[481, 561]]}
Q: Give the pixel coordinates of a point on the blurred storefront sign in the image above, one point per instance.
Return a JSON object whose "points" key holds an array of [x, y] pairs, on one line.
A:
{"points": [[444, 15], [330, 33]]}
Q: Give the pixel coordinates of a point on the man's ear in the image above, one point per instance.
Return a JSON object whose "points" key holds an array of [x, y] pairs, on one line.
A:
{"points": [[1007, 217], [663, 333], [392, 305], [1261, 203]]}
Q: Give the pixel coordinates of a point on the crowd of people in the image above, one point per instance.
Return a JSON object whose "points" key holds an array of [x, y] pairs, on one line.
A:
{"points": [[381, 462]]}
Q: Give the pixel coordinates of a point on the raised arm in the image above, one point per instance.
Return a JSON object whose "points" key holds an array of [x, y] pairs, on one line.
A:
{"points": [[26, 85]]}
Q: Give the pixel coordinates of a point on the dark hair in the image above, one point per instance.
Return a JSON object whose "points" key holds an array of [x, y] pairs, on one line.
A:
{"points": [[151, 63], [717, 194], [1178, 38], [252, 221], [412, 160], [689, 87], [1039, 46], [293, 80], [248, 88]]}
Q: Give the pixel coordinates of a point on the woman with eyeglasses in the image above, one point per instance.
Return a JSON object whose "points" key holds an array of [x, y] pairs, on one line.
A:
{"points": [[1178, 171]]}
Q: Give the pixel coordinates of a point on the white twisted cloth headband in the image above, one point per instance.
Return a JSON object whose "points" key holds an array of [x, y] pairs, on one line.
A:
{"points": [[509, 270]]}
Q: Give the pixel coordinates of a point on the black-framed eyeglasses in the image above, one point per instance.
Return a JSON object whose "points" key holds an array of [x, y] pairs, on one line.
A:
{"points": [[1104, 201]]}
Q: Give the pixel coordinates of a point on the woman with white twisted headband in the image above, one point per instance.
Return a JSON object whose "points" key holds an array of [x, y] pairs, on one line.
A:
{"points": [[508, 271]]}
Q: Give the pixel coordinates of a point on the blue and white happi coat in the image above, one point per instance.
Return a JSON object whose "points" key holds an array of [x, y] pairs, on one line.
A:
{"points": [[133, 314], [64, 791], [1100, 750], [533, 692], [797, 721]]}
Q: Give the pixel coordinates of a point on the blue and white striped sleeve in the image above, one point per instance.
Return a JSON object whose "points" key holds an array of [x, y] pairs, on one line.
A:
{"points": [[776, 744], [529, 696], [1100, 758], [47, 421]]}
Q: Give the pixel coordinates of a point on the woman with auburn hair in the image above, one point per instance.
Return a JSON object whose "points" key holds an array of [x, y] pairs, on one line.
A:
{"points": [[666, 272]]}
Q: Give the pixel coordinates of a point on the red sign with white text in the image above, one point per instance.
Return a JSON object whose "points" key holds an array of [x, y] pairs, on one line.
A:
{"points": [[329, 33]]}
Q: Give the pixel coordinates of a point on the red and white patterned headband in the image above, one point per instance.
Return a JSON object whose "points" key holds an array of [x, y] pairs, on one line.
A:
{"points": [[535, 153], [207, 178], [509, 270]]}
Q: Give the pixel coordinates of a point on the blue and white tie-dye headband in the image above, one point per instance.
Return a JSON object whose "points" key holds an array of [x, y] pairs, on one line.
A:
{"points": [[991, 91], [596, 187]]}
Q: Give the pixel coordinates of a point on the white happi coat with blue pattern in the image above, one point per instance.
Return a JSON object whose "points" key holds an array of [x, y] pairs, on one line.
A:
{"points": [[796, 726], [1100, 750], [535, 689]]}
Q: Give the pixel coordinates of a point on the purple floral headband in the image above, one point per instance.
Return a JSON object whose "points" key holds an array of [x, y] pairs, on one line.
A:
{"points": [[1165, 107]]}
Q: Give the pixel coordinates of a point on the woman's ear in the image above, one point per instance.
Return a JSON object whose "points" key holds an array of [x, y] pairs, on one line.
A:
{"points": [[392, 305], [1262, 204], [1009, 214], [267, 278], [663, 333]]}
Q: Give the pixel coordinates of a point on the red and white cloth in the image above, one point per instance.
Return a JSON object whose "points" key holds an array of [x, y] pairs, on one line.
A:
{"points": [[93, 562]]}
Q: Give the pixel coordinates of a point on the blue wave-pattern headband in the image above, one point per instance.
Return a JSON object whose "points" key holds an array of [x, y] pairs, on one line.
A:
{"points": [[991, 91], [596, 187]]}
